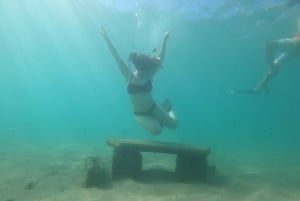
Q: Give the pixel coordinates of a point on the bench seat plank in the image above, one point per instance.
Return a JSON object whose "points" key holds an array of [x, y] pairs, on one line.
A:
{"points": [[158, 147]]}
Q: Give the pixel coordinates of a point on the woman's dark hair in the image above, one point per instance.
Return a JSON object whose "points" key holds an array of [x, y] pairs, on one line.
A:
{"points": [[143, 62]]}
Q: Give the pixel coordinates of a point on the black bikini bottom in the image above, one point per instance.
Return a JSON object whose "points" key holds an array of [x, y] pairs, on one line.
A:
{"points": [[146, 112]]}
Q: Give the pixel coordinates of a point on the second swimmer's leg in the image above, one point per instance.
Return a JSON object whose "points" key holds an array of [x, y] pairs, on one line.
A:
{"points": [[272, 71], [149, 123]]}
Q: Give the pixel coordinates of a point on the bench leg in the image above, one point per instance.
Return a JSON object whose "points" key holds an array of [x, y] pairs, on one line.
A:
{"points": [[191, 167], [126, 163]]}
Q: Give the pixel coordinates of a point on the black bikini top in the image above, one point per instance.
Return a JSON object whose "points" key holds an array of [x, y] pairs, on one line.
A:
{"points": [[136, 88]]}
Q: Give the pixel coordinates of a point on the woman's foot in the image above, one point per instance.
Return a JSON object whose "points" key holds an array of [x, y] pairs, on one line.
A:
{"points": [[166, 104]]}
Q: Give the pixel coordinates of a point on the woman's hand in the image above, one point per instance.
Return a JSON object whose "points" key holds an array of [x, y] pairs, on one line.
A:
{"points": [[167, 34], [103, 32]]}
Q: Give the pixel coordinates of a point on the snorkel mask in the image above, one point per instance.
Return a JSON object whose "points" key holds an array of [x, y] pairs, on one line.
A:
{"points": [[143, 62]]}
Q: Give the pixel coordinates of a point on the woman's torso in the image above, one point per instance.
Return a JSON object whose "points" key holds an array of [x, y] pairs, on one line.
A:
{"points": [[139, 89], [141, 102]]}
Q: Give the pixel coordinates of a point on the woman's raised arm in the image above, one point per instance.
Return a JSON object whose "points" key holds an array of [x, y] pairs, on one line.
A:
{"points": [[125, 70], [163, 47]]}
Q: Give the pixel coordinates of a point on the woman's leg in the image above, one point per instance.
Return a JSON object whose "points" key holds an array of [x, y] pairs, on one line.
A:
{"points": [[159, 118], [149, 123], [166, 118]]}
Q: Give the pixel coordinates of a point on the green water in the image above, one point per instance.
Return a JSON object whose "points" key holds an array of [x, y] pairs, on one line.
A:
{"points": [[59, 81]]}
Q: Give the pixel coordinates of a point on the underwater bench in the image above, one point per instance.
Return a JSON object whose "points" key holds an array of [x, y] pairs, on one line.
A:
{"points": [[191, 162]]}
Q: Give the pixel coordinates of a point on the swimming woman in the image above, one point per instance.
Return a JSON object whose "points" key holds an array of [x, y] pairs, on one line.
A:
{"points": [[147, 112], [286, 50]]}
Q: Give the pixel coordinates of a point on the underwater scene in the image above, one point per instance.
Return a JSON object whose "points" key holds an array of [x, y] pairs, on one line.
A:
{"points": [[209, 86]]}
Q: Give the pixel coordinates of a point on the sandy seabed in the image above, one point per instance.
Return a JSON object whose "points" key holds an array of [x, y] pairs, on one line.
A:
{"points": [[56, 172]]}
